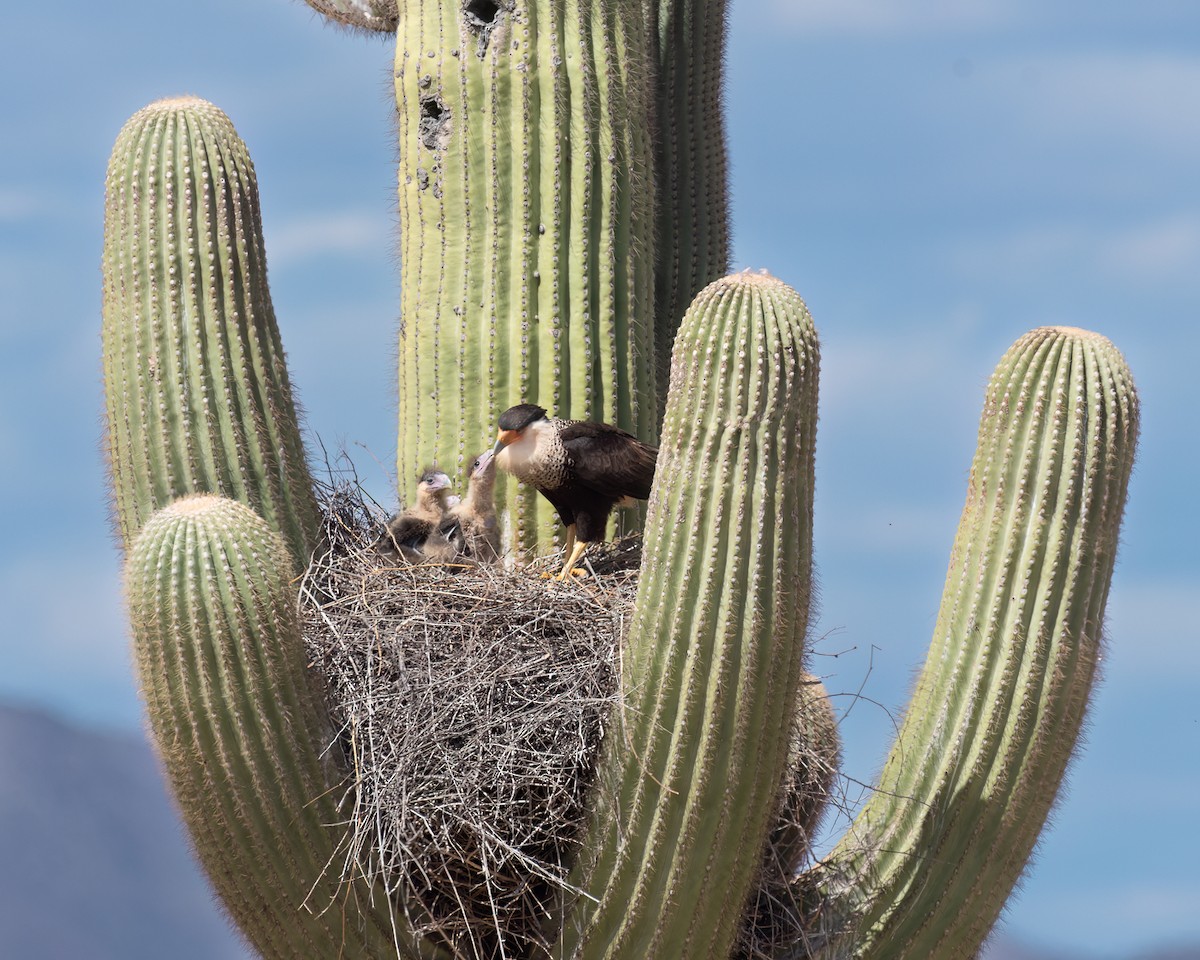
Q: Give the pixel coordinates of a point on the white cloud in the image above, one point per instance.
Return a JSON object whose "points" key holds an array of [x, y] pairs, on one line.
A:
{"points": [[341, 234], [886, 17], [881, 370], [18, 204], [1127, 102], [1149, 252], [1155, 912], [1166, 249]]}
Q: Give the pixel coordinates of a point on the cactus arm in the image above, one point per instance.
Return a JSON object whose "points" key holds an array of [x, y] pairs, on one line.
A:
{"points": [[526, 216], [377, 16], [240, 725], [927, 865], [198, 397], [714, 652]]}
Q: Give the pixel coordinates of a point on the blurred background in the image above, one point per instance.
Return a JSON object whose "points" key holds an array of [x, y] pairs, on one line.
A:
{"points": [[935, 177]]}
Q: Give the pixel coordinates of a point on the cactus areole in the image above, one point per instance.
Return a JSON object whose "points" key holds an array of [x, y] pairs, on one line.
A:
{"points": [[547, 252]]}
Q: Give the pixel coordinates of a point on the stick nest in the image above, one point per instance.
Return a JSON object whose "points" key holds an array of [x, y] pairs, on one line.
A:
{"points": [[470, 703]]}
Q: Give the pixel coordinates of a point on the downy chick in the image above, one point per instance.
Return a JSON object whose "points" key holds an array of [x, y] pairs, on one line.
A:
{"points": [[415, 534], [471, 523]]}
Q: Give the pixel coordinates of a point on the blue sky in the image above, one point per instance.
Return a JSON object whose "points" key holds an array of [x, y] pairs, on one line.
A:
{"points": [[935, 178]]}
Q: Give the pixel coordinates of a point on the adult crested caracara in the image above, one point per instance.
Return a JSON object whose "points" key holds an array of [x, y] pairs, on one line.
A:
{"points": [[583, 468], [471, 523], [415, 534]]}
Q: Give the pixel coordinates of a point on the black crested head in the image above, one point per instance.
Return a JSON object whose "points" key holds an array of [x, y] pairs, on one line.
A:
{"points": [[521, 416]]}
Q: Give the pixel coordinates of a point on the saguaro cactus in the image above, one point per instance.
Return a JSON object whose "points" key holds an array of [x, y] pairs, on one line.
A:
{"points": [[198, 395], [526, 117], [690, 162]]}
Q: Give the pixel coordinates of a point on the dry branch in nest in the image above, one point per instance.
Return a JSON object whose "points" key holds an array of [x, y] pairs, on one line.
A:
{"points": [[470, 702]]}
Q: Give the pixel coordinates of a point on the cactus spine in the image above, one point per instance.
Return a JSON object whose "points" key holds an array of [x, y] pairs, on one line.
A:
{"points": [[929, 862], [198, 393], [378, 16], [526, 216], [239, 727], [713, 667]]}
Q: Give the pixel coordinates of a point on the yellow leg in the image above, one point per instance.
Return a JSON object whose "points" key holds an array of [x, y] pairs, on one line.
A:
{"points": [[577, 549]]}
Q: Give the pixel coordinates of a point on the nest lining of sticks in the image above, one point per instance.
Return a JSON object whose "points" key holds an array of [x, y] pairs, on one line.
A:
{"points": [[469, 703]]}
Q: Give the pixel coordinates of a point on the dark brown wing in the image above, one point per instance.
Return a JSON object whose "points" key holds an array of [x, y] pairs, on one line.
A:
{"points": [[608, 460]]}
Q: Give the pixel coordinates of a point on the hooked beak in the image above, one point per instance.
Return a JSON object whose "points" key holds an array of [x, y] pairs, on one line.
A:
{"points": [[439, 481], [503, 439]]}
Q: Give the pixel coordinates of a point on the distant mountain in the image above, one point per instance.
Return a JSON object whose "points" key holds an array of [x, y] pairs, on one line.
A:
{"points": [[93, 862], [1004, 949]]}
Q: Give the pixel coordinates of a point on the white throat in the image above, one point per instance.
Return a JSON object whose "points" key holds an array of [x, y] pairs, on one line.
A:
{"points": [[522, 454]]}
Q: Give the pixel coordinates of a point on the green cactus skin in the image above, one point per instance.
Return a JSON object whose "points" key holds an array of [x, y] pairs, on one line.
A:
{"points": [[690, 160], [197, 392], [526, 220], [927, 865], [774, 911], [240, 728], [713, 665], [378, 16]]}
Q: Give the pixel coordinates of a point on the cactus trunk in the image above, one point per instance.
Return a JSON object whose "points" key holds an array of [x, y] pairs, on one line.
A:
{"points": [[713, 668], [526, 218], [930, 860], [690, 160]]}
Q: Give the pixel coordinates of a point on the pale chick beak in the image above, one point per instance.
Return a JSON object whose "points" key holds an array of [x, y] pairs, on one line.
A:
{"points": [[439, 481], [484, 460]]}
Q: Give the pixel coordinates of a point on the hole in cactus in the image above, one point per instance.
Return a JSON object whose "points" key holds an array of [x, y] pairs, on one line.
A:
{"points": [[482, 17], [434, 126], [481, 13]]}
